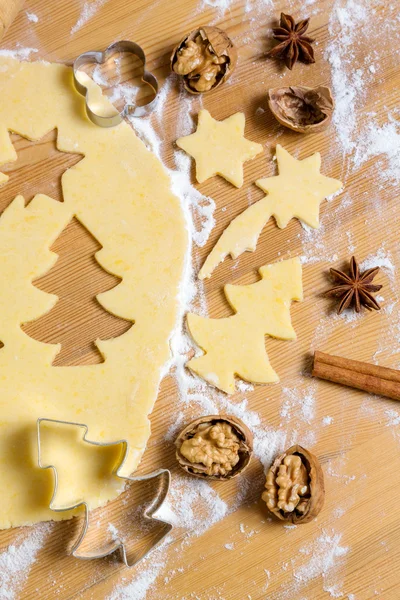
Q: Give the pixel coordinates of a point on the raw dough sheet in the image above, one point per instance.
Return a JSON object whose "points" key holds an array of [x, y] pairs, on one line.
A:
{"points": [[121, 193]]}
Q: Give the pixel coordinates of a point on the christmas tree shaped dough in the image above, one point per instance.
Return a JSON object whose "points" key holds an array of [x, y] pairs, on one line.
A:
{"points": [[236, 345], [121, 194], [297, 191], [219, 147]]}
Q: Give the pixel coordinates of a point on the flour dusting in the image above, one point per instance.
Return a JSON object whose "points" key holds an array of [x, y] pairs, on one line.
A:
{"points": [[361, 136], [346, 20], [89, 9], [32, 17], [382, 140], [16, 561], [220, 5], [150, 569], [382, 258], [324, 557], [19, 53], [193, 504]]}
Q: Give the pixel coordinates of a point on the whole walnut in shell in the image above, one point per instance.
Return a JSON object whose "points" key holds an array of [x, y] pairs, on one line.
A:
{"points": [[295, 490], [301, 108], [214, 447], [205, 58]]}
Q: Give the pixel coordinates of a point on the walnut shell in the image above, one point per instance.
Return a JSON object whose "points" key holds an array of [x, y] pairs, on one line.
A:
{"points": [[300, 108], [219, 44], [313, 501], [199, 469]]}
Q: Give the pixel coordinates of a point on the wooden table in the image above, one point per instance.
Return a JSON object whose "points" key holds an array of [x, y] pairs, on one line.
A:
{"points": [[352, 549]]}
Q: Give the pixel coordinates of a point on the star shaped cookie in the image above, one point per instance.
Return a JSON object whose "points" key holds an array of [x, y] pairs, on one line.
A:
{"points": [[297, 191], [219, 147]]}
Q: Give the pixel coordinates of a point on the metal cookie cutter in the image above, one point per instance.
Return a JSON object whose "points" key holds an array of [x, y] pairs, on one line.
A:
{"points": [[117, 544], [100, 58]]}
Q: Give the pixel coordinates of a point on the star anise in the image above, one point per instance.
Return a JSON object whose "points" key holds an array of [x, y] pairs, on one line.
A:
{"points": [[355, 288], [294, 45]]}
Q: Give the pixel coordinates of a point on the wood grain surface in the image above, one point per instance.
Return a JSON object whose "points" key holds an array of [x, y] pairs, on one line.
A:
{"points": [[244, 555]]}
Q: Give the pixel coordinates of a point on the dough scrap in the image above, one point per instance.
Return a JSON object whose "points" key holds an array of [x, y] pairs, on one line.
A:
{"points": [[297, 192], [236, 345], [121, 194], [219, 147]]}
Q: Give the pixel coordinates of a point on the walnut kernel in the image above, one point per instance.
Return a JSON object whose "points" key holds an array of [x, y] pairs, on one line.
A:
{"points": [[190, 57], [205, 58], [217, 447], [295, 486]]}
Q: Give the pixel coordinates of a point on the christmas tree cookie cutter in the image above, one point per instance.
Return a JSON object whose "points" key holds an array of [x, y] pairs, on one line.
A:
{"points": [[98, 57], [148, 514]]}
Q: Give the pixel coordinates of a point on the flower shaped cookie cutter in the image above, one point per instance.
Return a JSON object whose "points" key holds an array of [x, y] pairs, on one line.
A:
{"points": [[148, 514], [97, 57]]}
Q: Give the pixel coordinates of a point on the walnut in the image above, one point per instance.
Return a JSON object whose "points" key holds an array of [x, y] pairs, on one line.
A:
{"points": [[295, 486], [214, 447], [190, 57], [205, 58], [300, 108]]}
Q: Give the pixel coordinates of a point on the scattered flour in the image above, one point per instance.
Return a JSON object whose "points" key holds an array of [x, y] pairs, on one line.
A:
{"points": [[150, 570], [89, 9], [193, 504], [393, 417], [19, 53], [114, 531], [32, 17], [98, 77], [347, 18], [244, 386], [299, 403], [381, 140], [382, 258], [361, 137], [163, 94], [17, 560], [324, 558], [221, 5]]}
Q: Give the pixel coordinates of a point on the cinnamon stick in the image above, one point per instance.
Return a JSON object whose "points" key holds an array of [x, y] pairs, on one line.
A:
{"points": [[353, 373]]}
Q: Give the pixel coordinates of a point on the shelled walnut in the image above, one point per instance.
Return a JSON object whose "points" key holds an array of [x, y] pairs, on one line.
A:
{"points": [[295, 489], [205, 58], [214, 447], [301, 108]]}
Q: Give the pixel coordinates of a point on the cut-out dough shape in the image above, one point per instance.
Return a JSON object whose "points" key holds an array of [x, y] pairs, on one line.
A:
{"points": [[219, 147], [121, 193], [236, 345], [37, 169], [297, 191]]}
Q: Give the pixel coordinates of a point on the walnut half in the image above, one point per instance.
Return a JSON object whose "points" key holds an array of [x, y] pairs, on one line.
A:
{"points": [[295, 489], [214, 447], [301, 108], [205, 58]]}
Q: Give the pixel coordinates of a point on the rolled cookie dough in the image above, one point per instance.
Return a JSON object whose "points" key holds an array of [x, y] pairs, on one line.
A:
{"points": [[121, 194]]}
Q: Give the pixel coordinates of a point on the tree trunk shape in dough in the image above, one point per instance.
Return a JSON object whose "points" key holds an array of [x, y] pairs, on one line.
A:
{"points": [[236, 345], [121, 194], [297, 192]]}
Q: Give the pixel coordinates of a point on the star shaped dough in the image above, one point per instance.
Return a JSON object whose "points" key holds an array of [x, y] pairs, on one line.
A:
{"points": [[299, 188], [219, 147], [297, 191]]}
